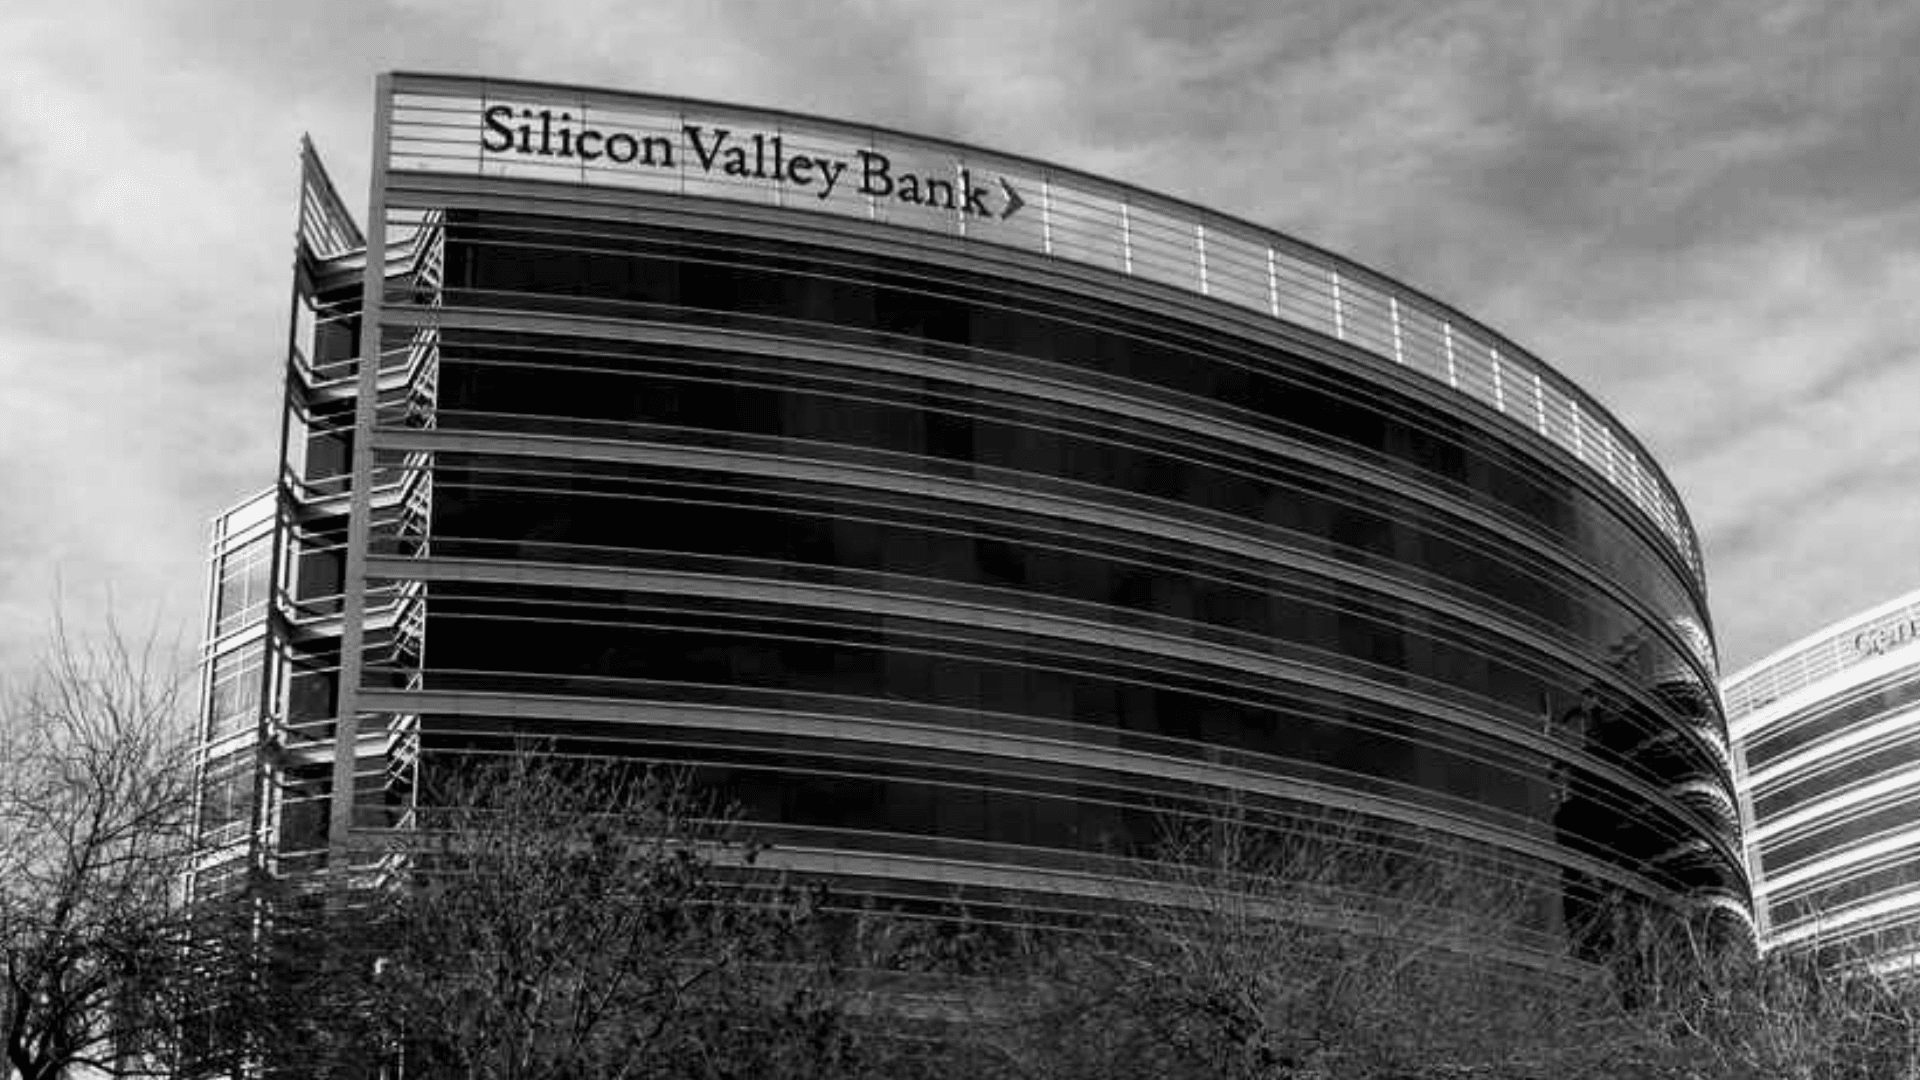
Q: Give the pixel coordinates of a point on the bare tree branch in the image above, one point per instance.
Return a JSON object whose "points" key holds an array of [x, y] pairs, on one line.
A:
{"points": [[95, 810]]}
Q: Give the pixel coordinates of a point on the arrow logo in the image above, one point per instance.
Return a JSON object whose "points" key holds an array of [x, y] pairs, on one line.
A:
{"points": [[1014, 201]]}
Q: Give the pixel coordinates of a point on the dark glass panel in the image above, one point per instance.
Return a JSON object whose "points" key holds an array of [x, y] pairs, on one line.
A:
{"points": [[885, 662], [543, 262], [1835, 777], [1393, 639], [1832, 718], [1828, 900], [1835, 834]]}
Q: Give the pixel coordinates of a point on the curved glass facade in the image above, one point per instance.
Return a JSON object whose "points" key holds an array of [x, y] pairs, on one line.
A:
{"points": [[1827, 741], [962, 563]]}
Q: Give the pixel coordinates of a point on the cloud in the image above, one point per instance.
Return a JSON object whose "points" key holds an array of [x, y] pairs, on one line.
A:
{"points": [[1702, 212]]}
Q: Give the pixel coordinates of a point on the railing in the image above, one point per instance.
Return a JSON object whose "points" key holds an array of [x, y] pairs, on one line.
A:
{"points": [[437, 127], [326, 227], [1828, 652]]}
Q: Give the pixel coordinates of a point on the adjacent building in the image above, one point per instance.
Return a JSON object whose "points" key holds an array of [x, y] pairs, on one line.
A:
{"points": [[963, 518], [1827, 749]]}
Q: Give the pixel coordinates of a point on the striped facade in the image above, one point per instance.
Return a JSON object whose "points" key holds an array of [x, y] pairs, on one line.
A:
{"points": [[1827, 743]]}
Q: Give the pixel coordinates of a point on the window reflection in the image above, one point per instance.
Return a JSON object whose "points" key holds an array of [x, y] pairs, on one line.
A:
{"points": [[545, 263], [1442, 620]]}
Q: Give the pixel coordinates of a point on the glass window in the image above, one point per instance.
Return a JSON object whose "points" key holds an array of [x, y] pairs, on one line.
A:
{"points": [[334, 326], [241, 585], [1855, 826], [1833, 717], [226, 799], [233, 692]]}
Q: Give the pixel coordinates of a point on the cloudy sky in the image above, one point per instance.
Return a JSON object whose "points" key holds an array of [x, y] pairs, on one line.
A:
{"points": [[1704, 212]]}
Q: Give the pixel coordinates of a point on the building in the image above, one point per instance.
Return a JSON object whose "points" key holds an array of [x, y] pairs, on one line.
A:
{"points": [[963, 517], [1827, 749]]}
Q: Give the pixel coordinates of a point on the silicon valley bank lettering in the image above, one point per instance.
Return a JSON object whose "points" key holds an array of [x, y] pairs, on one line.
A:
{"points": [[745, 156]]}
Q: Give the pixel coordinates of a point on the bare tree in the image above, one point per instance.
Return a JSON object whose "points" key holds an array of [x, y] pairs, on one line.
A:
{"points": [[1720, 1013], [563, 918], [1338, 952], [1325, 948], [95, 806]]}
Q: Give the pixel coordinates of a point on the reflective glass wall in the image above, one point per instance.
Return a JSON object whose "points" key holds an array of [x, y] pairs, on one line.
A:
{"points": [[984, 577]]}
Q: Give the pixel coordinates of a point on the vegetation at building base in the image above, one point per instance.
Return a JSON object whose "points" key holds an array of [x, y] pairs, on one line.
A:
{"points": [[560, 919], [567, 919], [557, 920], [1208, 995]]}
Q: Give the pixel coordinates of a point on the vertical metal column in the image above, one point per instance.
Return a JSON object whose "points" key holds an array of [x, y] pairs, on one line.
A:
{"points": [[346, 731]]}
